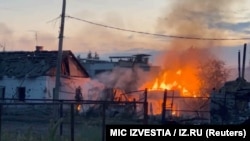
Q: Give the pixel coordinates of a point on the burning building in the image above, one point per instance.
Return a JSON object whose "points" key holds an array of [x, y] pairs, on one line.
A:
{"points": [[180, 89]]}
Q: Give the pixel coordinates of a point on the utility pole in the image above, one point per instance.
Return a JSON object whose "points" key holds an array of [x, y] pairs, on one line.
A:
{"points": [[36, 38], [59, 58], [2, 46]]}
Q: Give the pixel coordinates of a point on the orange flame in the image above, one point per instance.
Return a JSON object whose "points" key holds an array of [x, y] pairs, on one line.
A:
{"points": [[184, 80]]}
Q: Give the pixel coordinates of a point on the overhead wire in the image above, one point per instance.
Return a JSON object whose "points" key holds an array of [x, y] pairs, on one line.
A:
{"points": [[155, 34]]}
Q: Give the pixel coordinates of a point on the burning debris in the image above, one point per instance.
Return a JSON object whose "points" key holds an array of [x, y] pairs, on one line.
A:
{"points": [[186, 77], [184, 80]]}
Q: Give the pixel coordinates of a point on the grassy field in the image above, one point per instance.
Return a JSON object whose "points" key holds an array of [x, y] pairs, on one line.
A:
{"points": [[21, 131], [90, 134], [85, 129], [35, 124]]}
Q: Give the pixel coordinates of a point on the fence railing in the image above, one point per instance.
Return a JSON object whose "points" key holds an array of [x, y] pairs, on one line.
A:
{"points": [[58, 108], [102, 111]]}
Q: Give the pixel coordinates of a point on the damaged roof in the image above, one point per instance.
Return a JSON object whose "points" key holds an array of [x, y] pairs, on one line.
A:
{"points": [[32, 63]]}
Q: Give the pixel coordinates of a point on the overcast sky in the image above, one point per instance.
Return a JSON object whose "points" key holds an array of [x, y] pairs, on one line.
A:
{"points": [[21, 19]]}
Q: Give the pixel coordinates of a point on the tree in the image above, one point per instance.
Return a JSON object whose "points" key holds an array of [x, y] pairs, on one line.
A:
{"points": [[213, 74], [96, 56], [89, 56]]}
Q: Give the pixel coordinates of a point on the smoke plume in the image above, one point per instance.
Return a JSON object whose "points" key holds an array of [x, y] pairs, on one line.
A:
{"points": [[123, 78], [199, 19]]}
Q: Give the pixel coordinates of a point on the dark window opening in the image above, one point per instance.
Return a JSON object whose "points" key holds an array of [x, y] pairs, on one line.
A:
{"points": [[21, 93], [65, 67]]}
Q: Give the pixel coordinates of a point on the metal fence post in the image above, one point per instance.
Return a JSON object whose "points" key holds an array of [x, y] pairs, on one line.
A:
{"points": [[146, 106], [72, 122], [164, 107], [103, 121], [61, 116], [134, 105]]}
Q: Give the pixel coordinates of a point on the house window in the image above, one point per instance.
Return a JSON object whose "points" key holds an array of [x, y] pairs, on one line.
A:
{"points": [[2, 93], [21, 93]]}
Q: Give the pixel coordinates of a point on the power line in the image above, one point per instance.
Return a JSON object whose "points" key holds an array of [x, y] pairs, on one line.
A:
{"points": [[154, 34]]}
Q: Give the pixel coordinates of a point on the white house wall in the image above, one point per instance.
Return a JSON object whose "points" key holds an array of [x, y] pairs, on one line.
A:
{"points": [[42, 87], [34, 88]]}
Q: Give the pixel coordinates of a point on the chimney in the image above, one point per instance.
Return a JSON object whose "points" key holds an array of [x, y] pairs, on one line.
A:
{"points": [[39, 48]]}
